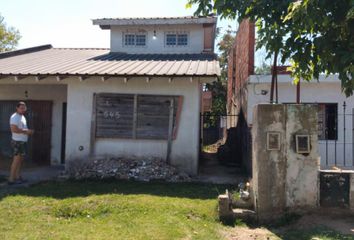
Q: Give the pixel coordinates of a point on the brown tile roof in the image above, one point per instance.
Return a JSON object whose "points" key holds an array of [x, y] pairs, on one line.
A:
{"points": [[45, 60]]}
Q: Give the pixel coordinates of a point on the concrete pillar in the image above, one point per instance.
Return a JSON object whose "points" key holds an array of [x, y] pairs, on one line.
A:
{"points": [[268, 166], [283, 178], [302, 168], [225, 208]]}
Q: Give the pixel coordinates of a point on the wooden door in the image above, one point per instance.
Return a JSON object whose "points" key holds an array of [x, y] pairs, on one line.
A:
{"points": [[7, 108], [39, 117]]}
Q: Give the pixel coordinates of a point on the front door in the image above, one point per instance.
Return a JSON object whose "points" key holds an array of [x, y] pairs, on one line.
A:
{"points": [[39, 118]]}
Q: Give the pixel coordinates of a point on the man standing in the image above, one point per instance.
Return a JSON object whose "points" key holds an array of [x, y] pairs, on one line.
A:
{"points": [[20, 133]]}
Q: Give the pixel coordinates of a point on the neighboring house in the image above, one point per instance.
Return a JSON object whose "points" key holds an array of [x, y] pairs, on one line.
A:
{"points": [[140, 98], [336, 111]]}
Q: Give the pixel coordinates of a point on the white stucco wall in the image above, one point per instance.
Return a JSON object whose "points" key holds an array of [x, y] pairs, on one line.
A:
{"points": [[10, 90], [328, 90], [185, 148], [195, 39]]}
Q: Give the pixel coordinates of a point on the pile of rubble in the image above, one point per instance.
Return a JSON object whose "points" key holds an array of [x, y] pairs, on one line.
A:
{"points": [[121, 168]]}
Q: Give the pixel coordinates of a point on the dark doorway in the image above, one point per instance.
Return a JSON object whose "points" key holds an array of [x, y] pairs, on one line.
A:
{"points": [[63, 133], [219, 159], [39, 118]]}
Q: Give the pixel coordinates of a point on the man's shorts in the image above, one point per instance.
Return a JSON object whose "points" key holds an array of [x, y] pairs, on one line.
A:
{"points": [[18, 148]]}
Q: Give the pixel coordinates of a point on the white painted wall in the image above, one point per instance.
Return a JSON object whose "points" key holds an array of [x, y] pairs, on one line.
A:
{"points": [[195, 39], [326, 91], [79, 97], [9, 90], [185, 148]]}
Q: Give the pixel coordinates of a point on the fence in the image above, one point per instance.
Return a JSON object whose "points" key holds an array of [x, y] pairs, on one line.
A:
{"points": [[336, 132], [214, 128]]}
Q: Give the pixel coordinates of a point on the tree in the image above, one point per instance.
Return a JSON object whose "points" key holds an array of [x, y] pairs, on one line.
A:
{"points": [[219, 87], [315, 35], [9, 36]]}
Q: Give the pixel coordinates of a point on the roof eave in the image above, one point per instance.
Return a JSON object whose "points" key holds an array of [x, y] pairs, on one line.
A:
{"points": [[4, 75], [106, 23], [25, 51]]}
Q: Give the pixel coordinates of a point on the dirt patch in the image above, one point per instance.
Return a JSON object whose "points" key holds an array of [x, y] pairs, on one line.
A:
{"points": [[245, 233], [341, 221]]}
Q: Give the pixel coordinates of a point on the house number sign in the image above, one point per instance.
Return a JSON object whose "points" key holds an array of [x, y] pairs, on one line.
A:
{"points": [[111, 115]]}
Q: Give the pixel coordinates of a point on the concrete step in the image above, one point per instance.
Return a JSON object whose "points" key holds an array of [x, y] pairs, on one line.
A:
{"points": [[244, 214], [239, 203]]}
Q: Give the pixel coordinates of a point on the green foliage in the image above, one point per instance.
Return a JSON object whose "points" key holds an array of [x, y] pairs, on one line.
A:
{"points": [[219, 87], [224, 47], [315, 35], [321, 40], [9, 36]]}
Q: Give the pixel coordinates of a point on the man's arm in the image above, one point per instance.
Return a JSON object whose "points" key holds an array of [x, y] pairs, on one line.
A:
{"points": [[16, 129]]}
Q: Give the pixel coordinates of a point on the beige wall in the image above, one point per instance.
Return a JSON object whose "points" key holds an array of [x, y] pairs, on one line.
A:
{"points": [[9, 90], [79, 96]]}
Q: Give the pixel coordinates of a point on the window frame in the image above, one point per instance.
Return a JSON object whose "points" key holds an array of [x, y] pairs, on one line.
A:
{"points": [[178, 102], [326, 136], [177, 34], [167, 37], [135, 40], [186, 40]]}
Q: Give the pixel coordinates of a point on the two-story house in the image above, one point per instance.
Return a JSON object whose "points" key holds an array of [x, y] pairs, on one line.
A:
{"points": [[140, 98]]}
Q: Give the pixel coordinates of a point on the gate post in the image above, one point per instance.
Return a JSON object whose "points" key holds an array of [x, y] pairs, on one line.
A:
{"points": [[285, 159]]}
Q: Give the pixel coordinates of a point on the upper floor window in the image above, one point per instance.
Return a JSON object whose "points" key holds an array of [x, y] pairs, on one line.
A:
{"points": [[131, 39], [176, 39], [182, 39], [171, 39], [140, 40]]}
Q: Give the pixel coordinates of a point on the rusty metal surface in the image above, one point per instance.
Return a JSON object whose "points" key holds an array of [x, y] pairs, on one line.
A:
{"points": [[100, 62]]}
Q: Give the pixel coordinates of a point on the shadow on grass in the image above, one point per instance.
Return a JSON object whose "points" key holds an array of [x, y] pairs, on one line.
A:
{"points": [[69, 189], [286, 228], [319, 232]]}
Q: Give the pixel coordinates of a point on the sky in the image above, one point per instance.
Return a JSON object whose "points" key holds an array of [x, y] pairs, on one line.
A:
{"points": [[67, 23]]}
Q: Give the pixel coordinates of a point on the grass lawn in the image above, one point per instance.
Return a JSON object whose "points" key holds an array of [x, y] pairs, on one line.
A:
{"points": [[118, 210], [111, 210]]}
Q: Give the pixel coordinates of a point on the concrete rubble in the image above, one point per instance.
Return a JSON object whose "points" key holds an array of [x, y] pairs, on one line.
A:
{"points": [[121, 168]]}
